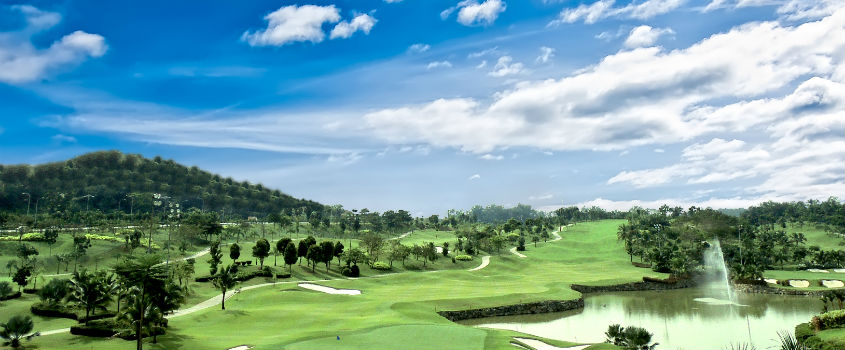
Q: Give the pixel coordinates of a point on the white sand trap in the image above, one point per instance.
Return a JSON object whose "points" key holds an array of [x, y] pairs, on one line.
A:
{"points": [[329, 290], [839, 270], [439, 250], [771, 280], [534, 343], [513, 250], [799, 283], [241, 347], [833, 284], [714, 301], [817, 270], [485, 260]]}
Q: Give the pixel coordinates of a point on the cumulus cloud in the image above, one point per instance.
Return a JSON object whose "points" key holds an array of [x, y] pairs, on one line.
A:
{"points": [[21, 61], [546, 53], [505, 66], [803, 158], [419, 48], [439, 64], [59, 138], [292, 24], [344, 29], [473, 13], [474, 177], [604, 8], [489, 156], [789, 9], [631, 98], [645, 36]]}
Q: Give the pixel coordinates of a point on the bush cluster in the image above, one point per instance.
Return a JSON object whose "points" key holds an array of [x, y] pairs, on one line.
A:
{"points": [[100, 328], [31, 237], [381, 265], [463, 257], [830, 319], [350, 271]]}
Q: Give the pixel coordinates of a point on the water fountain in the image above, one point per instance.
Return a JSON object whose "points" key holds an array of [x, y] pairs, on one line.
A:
{"points": [[718, 276]]}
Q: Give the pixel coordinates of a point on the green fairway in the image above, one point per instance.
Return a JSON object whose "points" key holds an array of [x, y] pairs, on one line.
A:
{"points": [[397, 308]]}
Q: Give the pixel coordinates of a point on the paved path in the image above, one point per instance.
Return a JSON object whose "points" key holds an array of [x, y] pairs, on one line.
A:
{"points": [[513, 250], [485, 260], [406, 234]]}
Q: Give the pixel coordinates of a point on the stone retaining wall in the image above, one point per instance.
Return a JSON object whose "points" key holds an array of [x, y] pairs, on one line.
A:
{"points": [[635, 286], [750, 288], [517, 309]]}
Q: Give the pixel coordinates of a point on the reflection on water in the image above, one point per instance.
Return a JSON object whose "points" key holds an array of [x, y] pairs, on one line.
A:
{"points": [[677, 320]]}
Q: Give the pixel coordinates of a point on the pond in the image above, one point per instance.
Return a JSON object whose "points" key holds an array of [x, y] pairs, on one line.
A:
{"points": [[693, 318]]}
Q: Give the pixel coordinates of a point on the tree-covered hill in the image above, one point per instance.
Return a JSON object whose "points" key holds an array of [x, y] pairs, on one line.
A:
{"points": [[110, 181]]}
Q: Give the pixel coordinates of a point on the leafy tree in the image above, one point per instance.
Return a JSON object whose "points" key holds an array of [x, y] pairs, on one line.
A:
{"points": [[327, 253], [234, 251], [261, 250], [315, 255], [354, 256], [26, 251], [17, 328], [55, 291], [521, 243], [445, 248], [216, 256], [50, 237], [338, 251], [281, 244], [5, 289], [90, 291], [290, 256], [21, 276], [12, 264], [373, 244], [224, 281], [80, 247], [302, 250]]}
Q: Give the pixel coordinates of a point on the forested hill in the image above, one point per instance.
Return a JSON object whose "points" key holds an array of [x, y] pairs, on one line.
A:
{"points": [[118, 181]]}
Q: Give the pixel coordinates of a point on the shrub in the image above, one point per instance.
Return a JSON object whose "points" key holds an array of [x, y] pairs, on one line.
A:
{"points": [[463, 257], [6, 291], [350, 271], [803, 331], [47, 310], [99, 328], [520, 248], [830, 319], [54, 291], [381, 265], [32, 237]]}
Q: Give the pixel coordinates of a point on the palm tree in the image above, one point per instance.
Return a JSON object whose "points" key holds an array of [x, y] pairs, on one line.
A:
{"points": [[141, 314], [16, 329], [146, 275], [90, 290], [11, 264], [224, 281]]}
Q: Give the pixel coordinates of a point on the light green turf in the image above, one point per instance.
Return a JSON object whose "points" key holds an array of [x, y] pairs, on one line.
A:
{"points": [[396, 310], [818, 237]]}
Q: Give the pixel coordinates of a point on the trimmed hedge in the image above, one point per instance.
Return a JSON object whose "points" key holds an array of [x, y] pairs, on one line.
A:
{"points": [[350, 271], [380, 265], [14, 295], [47, 310], [246, 275], [29, 237], [830, 319], [463, 257], [100, 328]]}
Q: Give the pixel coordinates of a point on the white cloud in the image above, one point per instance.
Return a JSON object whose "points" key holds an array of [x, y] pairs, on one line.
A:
{"points": [[439, 64], [485, 52], [59, 138], [809, 9], [419, 48], [21, 61], [292, 24], [604, 8], [645, 36], [392, 1], [473, 13], [474, 177], [541, 197], [489, 156], [546, 53], [659, 150], [481, 65], [344, 29], [505, 66], [632, 98]]}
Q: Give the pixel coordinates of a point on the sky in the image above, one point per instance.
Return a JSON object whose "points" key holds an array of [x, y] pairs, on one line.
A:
{"points": [[429, 105]]}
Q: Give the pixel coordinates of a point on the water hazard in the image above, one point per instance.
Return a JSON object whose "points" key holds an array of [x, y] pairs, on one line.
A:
{"points": [[680, 319]]}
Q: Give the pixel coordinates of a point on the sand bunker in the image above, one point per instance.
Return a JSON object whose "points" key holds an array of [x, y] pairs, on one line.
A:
{"points": [[817, 270], [329, 290], [833, 284], [839, 270], [799, 283], [771, 280], [534, 343], [241, 347]]}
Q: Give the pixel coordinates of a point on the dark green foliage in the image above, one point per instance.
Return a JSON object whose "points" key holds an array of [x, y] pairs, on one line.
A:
{"points": [[110, 175], [261, 250], [338, 251], [629, 338], [21, 276], [55, 291], [5, 290], [91, 291], [290, 255], [216, 256], [314, 255], [521, 244], [234, 251], [17, 328], [326, 253], [224, 281], [350, 271], [99, 328], [788, 342]]}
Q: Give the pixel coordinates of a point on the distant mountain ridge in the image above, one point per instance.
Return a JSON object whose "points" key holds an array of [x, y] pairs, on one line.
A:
{"points": [[116, 180]]}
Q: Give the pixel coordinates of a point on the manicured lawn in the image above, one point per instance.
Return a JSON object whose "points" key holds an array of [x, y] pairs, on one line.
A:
{"points": [[397, 310]]}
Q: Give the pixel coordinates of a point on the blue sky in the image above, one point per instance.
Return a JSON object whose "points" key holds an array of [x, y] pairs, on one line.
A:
{"points": [[432, 105]]}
